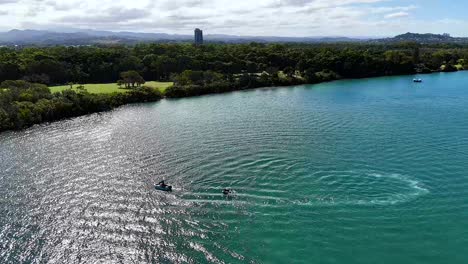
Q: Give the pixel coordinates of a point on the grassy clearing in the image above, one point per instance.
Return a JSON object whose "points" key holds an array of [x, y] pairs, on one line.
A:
{"points": [[110, 87]]}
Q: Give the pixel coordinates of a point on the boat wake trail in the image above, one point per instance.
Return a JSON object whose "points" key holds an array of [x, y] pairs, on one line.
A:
{"points": [[365, 188]]}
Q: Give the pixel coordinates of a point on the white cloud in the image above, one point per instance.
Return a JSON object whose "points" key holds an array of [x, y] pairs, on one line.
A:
{"points": [[397, 15], [241, 17], [382, 10]]}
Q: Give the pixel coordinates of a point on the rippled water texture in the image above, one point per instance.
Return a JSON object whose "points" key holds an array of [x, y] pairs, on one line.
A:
{"points": [[362, 171]]}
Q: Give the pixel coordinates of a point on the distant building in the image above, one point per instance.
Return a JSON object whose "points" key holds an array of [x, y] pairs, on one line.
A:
{"points": [[198, 36]]}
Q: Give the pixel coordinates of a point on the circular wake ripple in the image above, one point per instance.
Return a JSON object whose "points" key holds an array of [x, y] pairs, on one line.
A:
{"points": [[367, 188], [337, 188]]}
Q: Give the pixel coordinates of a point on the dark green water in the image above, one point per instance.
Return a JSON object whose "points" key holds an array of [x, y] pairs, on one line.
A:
{"points": [[361, 171]]}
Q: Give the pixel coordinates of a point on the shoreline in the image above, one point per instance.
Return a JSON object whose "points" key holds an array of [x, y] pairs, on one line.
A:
{"points": [[165, 97], [293, 85]]}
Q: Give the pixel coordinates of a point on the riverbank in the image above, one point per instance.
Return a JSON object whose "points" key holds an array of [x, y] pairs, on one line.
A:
{"points": [[23, 104], [195, 70], [31, 104], [254, 81]]}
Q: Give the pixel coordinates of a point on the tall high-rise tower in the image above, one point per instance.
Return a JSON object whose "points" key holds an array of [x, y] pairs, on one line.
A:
{"points": [[198, 36]]}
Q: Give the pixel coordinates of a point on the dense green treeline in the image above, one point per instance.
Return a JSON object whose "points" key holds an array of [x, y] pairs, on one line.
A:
{"points": [[159, 62], [23, 104], [195, 70]]}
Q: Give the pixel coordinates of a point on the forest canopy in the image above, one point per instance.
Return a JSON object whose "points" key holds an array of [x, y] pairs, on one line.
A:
{"points": [[160, 62], [25, 73]]}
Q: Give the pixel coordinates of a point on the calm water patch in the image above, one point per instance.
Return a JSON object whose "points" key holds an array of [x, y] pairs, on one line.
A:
{"points": [[358, 171]]}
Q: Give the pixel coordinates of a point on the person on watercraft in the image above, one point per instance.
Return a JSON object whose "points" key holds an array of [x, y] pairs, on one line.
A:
{"points": [[226, 191], [162, 183]]}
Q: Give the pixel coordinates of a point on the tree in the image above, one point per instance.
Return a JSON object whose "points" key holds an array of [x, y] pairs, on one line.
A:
{"points": [[416, 55], [289, 71], [55, 70], [37, 78], [4, 120], [449, 68], [190, 77], [120, 83], [132, 78], [10, 71], [310, 75]]}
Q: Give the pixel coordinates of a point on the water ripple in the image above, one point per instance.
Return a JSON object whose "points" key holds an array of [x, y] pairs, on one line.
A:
{"points": [[317, 174]]}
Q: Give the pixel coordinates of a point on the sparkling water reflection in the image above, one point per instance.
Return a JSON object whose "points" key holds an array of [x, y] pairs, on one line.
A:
{"points": [[362, 171]]}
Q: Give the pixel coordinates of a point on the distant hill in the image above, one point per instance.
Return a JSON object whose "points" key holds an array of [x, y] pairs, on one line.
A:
{"points": [[93, 37], [427, 38], [269, 39], [90, 37]]}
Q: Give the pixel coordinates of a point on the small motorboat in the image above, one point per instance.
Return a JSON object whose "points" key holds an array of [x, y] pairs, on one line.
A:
{"points": [[227, 191], [163, 187], [417, 80]]}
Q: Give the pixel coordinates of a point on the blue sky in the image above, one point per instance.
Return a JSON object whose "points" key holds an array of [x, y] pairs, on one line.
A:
{"points": [[430, 9], [242, 17]]}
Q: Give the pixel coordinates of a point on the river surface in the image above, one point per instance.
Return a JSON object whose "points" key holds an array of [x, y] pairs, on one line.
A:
{"points": [[356, 171]]}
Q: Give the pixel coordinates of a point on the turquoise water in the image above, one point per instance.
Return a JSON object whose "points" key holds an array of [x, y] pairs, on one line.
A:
{"points": [[359, 171]]}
